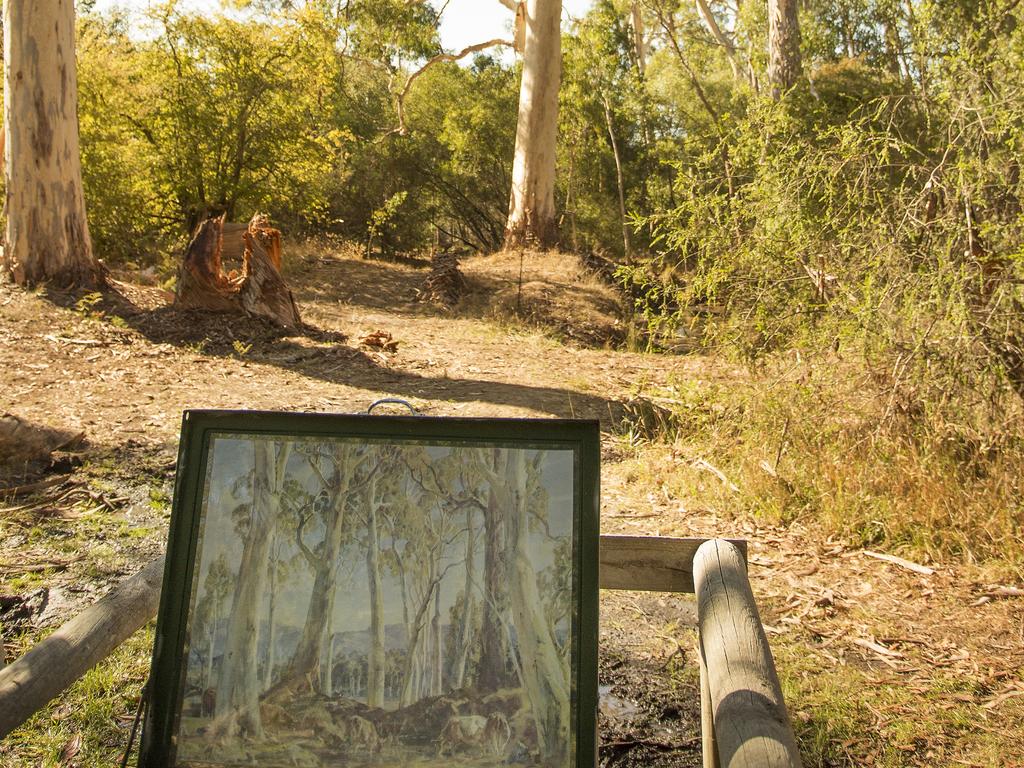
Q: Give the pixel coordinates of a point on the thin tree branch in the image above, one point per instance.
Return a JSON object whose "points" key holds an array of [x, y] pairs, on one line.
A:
{"points": [[441, 57]]}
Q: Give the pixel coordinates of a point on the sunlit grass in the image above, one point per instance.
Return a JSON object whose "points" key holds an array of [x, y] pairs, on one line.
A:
{"points": [[96, 712], [819, 452]]}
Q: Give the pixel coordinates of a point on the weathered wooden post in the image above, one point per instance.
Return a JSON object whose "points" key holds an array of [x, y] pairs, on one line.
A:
{"points": [[750, 725], [27, 684], [708, 747]]}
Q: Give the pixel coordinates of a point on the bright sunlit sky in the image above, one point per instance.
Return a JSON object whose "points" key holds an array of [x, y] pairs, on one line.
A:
{"points": [[464, 21]]}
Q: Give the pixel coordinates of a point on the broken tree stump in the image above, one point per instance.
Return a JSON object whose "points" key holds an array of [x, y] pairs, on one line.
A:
{"points": [[258, 290]]}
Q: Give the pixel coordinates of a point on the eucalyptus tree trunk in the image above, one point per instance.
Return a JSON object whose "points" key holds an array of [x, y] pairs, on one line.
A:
{"points": [[639, 44], [215, 619], [272, 569], [491, 672], [299, 672], [720, 37], [784, 65], [436, 655], [329, 674], [327, 650], [415, 675], [531, 219], [47, 232], [466, 629], [620, 184]]}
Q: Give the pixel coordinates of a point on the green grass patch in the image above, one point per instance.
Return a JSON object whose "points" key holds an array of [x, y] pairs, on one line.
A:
{"points": [[96, 712]]}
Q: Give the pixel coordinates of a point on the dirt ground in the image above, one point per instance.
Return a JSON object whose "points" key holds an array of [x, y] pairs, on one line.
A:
{"points": [[882, 664]]}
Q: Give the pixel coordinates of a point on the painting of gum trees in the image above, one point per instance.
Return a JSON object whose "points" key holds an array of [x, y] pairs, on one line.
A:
{"points": [[380, 604]]}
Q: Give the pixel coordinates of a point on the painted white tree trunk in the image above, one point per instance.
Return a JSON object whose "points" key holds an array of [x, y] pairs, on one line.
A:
{"points": [[435, 647], [210, 681], [543, 672], [376, 659], [47, 232], [327, 646], [531, 219], [466, 629], [272, 569], [238, 686], [301, 670]]}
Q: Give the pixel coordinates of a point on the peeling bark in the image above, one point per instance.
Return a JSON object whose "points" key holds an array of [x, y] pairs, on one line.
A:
{"points": [[47, 231]]}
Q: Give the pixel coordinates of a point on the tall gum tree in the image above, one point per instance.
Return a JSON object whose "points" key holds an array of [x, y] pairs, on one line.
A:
{"points": [[47, 232], [541, 668], [784, 64], [538, 36], [301, 671], [531, 218]]}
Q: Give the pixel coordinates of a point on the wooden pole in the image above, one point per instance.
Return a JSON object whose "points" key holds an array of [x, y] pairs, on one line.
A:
{"points": [[708, 747], [750, 722], [55, 663]]}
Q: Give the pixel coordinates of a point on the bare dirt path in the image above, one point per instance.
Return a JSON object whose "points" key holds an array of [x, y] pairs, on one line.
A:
{"points": [[882, 665]]}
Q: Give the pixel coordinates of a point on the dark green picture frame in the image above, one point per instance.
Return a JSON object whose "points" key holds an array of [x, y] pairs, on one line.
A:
{"points": [[199, 428]]}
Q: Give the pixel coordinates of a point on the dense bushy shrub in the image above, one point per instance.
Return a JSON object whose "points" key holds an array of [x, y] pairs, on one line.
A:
{"points": [[864, 213]]}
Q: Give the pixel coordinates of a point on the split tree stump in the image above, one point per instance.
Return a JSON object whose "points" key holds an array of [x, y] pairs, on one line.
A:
{"points": [[258, 289]]}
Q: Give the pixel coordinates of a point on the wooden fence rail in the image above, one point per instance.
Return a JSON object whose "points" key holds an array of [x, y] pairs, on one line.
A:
{"points": [[52, 665], [743, 716]]}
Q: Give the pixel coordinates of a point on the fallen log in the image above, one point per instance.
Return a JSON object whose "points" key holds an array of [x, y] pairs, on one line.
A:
{"points": [[26, 685], [258, 289]]}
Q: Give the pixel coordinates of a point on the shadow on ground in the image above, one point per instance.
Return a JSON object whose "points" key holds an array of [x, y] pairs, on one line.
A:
{"points": [[321, 354]]}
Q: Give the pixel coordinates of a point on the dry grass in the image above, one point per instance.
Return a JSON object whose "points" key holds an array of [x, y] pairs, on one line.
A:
{"points": [[550, 290], [816, 444]]}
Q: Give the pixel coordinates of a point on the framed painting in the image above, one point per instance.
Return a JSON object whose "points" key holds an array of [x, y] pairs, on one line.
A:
{"points": [[378, 591]]}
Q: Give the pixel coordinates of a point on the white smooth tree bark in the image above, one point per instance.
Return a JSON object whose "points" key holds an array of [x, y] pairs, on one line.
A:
{"points": [[531, 219], [784, 65], [47, 232], [720, 37], [302, 670], [639, 43]]}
